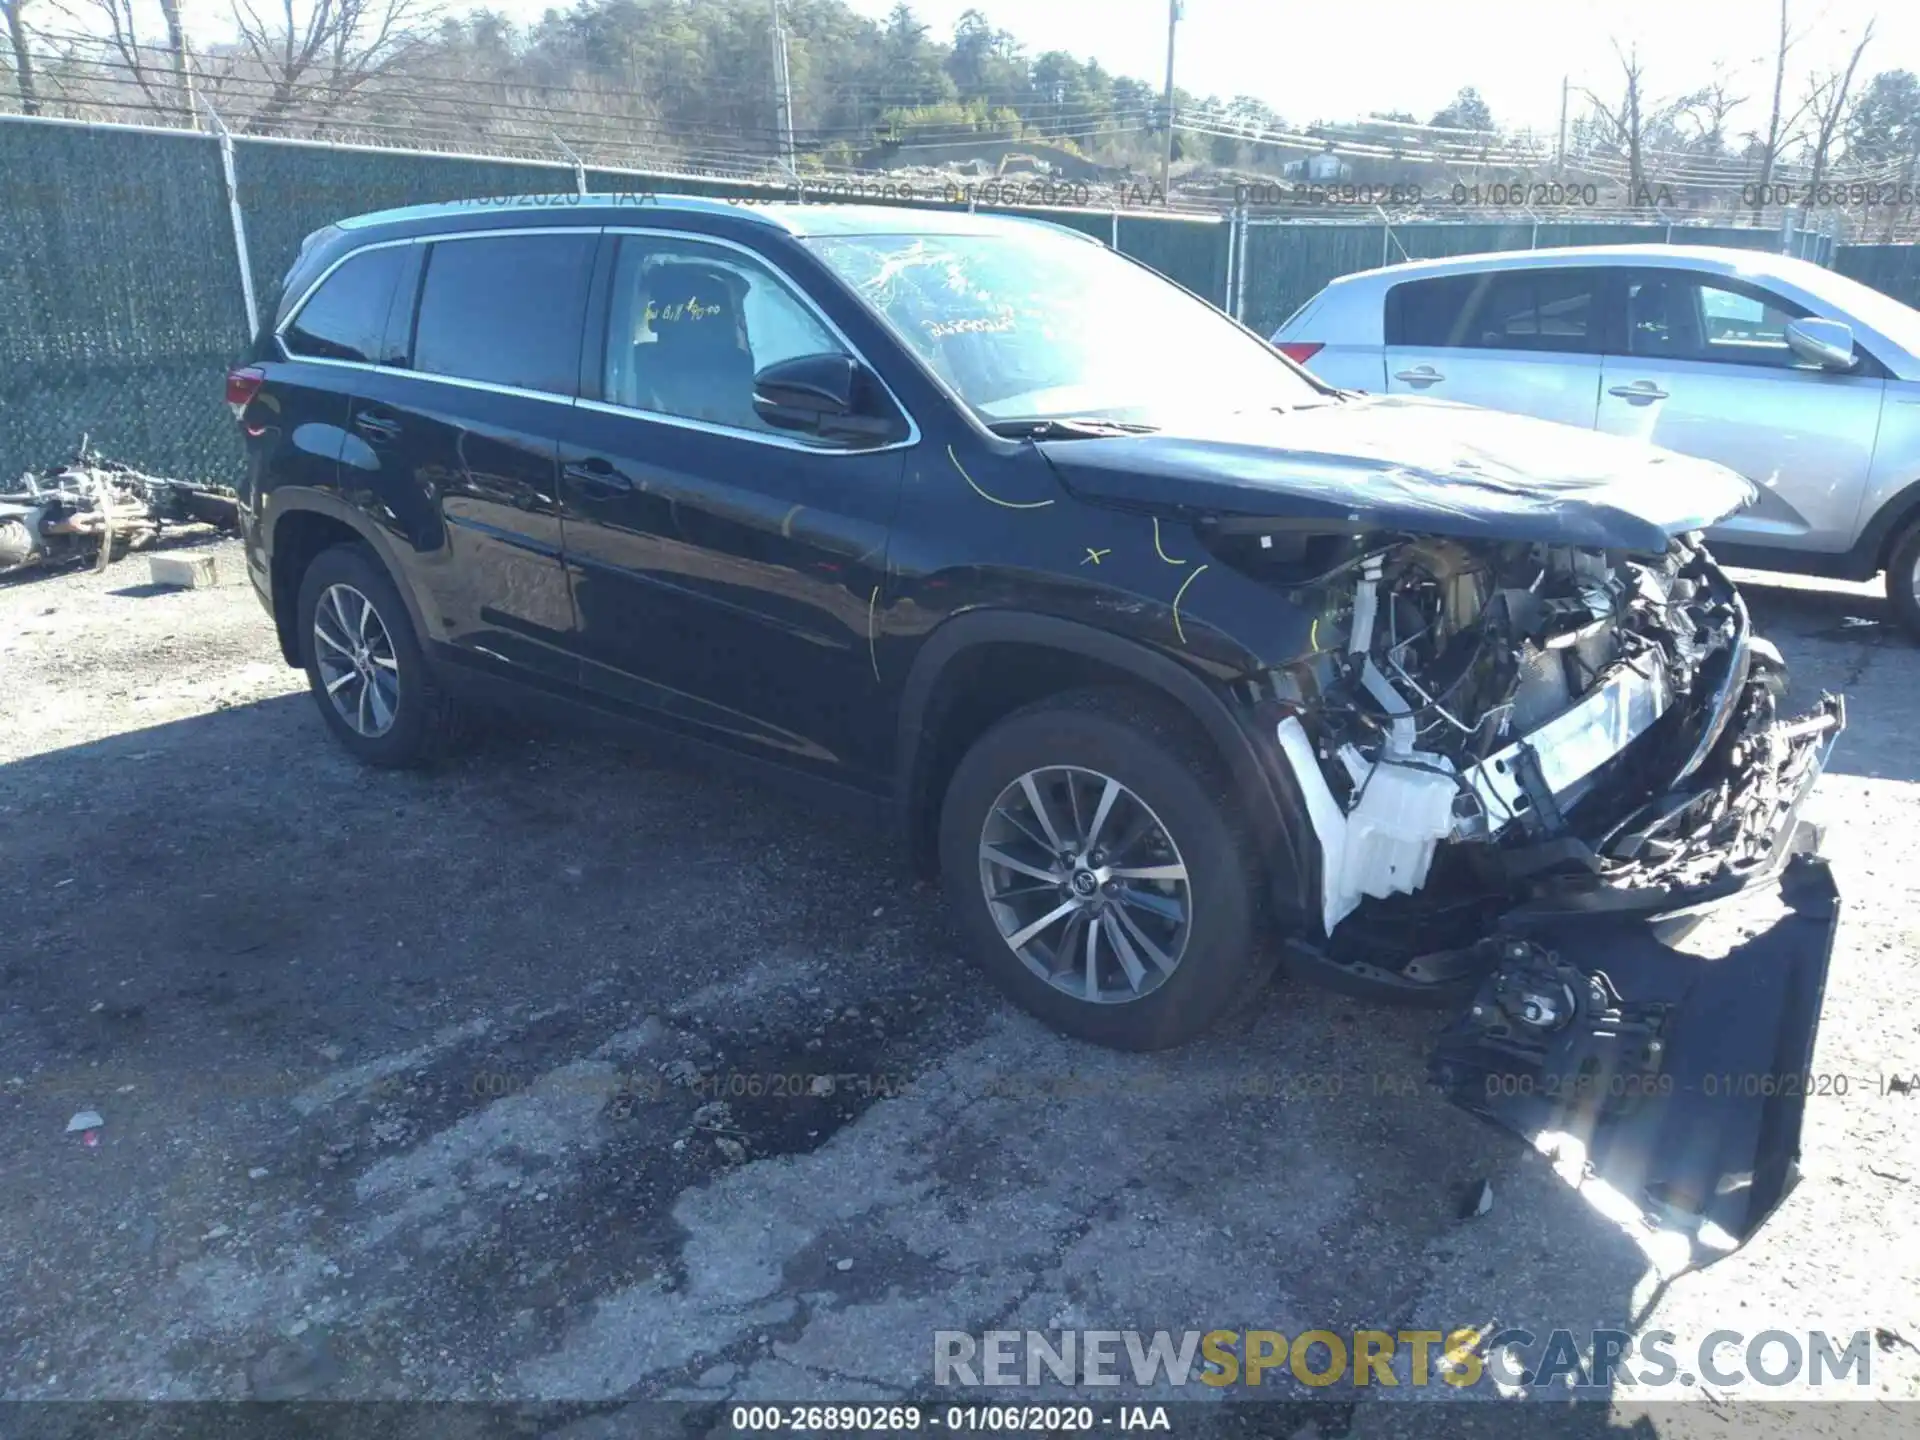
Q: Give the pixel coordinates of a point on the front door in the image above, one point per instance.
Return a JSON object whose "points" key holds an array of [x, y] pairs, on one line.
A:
{"points": [[1702, 366], [727, 575]]}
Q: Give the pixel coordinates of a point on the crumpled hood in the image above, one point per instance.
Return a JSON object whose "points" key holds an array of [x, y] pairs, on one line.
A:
{"points": [[1429, 466]]}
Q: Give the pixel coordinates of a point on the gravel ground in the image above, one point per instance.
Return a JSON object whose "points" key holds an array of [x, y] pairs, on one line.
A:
{"points": [[496, 1083]]}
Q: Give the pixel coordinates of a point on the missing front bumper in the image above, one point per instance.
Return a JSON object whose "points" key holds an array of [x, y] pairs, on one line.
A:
{"points": [[1669, 1086], [1674, 1085]]}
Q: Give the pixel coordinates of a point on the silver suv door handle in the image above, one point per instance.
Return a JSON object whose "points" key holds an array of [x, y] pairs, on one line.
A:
{"points": [[1640, 392], [1419, 375]]}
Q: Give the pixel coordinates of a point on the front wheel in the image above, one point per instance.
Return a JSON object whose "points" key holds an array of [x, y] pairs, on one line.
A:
{"points": [[1097, 863], [1903, 579]]}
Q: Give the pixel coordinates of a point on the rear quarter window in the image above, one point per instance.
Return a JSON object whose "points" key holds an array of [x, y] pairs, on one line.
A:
{"points": [[345, 318]]}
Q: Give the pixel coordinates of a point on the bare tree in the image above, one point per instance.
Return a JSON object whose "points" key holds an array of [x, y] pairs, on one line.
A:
{"points": [[318, 54], [122, 38], [22, 56], [1708, 109], [1779, 125], [177, 52], [1628, 121], [1827, 100]]}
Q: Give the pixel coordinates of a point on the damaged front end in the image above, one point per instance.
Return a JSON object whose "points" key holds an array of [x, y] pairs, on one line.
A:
{"points": [[1531, 770]]}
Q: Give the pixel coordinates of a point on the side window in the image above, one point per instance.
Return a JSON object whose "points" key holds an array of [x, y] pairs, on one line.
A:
{"points": [[1549, 310], [345, 318], [689, 324], [1680, 316], [506, 309], [1425, 314]]}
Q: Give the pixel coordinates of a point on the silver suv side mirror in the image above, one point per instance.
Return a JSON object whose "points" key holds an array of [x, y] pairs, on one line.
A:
{"points": [[1826, 343]]}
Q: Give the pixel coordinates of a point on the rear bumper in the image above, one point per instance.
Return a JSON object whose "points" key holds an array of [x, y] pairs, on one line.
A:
{"points": [[1672, 1084]]}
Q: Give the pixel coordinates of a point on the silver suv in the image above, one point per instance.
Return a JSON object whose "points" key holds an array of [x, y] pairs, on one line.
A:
{"points": [[1804, 381]]}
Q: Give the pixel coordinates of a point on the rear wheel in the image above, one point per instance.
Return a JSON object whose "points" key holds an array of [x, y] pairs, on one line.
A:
{"points": [[1903, 578], [364, 663], [1096, 862]]}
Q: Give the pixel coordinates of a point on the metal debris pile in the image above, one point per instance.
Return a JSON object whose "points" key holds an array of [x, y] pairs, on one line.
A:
{"points": [[92, 508]]}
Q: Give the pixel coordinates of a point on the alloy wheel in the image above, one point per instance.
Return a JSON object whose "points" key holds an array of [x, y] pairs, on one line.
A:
{"points": [[355, 658], [1085, 884]]}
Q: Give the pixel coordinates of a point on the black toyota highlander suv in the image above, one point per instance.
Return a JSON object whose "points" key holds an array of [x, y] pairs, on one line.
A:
{"points": [[1167, 657]]}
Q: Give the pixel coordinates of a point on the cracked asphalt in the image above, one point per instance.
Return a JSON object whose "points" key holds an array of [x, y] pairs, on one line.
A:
{"points": [[573, 1074]]}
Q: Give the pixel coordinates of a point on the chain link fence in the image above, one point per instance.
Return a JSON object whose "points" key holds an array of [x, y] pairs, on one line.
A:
{"points": [[122, 303]]}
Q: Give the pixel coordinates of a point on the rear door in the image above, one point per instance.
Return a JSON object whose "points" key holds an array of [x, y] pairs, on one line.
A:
{"points": [[462, 429], [727, 574], [1522, 340], [297, 425], [1700, 364]]}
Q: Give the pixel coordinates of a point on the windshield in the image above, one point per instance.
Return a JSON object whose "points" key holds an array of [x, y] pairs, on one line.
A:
{"points": [[1036, 323]]}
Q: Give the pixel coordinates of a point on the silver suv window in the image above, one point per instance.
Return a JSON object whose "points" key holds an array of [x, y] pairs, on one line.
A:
{"points": [[1679, 315], [1550, 309]]}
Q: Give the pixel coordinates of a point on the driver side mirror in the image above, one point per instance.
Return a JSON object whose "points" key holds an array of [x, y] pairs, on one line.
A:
{"points": [[833, 396], [1826, 343]]}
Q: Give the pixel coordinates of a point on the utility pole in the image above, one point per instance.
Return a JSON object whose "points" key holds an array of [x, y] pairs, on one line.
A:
{"points": [[782, 94], [1560, 150], [1166, 155]]}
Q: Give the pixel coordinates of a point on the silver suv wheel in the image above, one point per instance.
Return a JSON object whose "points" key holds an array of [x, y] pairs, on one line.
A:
{"points": [[355, 657], [1085, 884]]}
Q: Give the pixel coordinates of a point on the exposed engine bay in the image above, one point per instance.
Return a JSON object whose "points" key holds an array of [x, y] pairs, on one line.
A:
{"points": [[1534, 720], [1529, 769], [1523, 742]]}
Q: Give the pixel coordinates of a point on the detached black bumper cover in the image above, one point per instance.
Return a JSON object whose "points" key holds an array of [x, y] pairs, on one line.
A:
{"points": [[1672, 1084]]}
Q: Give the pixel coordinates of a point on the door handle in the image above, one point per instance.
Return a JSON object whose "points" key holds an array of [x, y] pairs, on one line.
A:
{"points": [[597, 474], [1419, 375], [376, 427], [1640, 392]]}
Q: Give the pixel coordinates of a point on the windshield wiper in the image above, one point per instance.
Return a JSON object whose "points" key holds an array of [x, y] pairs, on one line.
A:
{"points": [[1066, 427]]}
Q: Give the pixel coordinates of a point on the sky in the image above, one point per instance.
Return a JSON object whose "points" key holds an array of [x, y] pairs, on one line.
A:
{"points": [[1320, 61]]}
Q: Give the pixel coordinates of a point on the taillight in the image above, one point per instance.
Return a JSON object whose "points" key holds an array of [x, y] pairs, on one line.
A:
{"points": [[242, 385], [1300, 351]]}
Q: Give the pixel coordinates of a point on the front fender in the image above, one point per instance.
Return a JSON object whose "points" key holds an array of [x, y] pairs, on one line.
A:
{"points": [[1273, 804]]}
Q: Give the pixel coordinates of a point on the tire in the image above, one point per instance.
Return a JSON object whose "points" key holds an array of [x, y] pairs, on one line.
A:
{"points": [[1903, 576], [421, 722], [1167, 780]]}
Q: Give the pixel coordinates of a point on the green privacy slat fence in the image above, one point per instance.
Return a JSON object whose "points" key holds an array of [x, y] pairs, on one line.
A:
{"points": [[119, 301], [289, 191], [1192, 252], [121, 304], [1892, 268]]}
